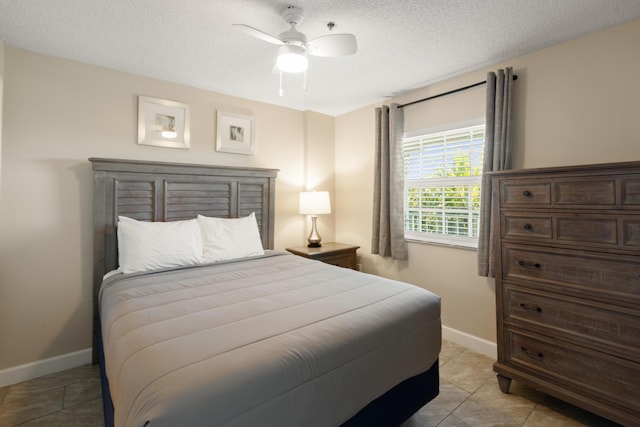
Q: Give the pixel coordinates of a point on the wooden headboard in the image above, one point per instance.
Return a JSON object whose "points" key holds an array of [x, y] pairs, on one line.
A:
{"points": [[153, 191]]}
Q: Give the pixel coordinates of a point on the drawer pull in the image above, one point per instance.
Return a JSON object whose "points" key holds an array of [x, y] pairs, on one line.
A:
{"points": [[535, 266], [527, 193], [527, 227], [527, 307], [532, 354]]}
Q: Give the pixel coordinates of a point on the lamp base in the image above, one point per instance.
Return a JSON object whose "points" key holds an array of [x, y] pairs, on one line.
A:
{"points": [[314, 238]]}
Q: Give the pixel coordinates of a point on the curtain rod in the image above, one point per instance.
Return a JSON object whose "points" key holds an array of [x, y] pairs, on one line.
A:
{"points": [[460, 89]]}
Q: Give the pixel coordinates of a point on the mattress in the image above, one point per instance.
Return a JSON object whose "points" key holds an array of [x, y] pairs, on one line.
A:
{"points": [[277, 340]]}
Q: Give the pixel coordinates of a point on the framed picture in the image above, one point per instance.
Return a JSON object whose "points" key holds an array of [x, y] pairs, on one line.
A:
{"points": [[234, 133], [163, 123]]}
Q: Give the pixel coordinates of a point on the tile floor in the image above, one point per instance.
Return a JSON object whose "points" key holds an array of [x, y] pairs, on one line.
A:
{"points": [[469, 396]]}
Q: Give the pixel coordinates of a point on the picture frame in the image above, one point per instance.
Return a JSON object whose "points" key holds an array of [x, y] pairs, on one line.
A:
{"points": [[163, 123], [234, 133]]}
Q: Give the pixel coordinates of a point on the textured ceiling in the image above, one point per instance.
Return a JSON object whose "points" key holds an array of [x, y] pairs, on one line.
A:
{"points": [[402, 44]]}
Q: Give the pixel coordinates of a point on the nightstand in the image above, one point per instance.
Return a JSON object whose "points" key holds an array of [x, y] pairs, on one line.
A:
{"points": [[331, 253]]}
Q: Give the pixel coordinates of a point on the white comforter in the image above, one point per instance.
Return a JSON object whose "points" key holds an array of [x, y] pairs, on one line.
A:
{"points": [[278, 340]]}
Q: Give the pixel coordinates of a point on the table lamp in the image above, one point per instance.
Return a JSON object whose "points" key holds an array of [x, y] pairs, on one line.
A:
{"points": [[314, 203]]}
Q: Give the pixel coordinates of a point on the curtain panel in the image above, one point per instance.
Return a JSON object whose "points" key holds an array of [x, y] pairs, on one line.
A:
{"points": [[388, 198], [497, 156]]}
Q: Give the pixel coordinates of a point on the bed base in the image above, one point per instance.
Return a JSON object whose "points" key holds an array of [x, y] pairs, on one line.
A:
{"points": [[107, 403], [400, 403]]}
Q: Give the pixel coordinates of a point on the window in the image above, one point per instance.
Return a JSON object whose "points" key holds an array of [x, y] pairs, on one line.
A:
{"points": [[443, 172]]}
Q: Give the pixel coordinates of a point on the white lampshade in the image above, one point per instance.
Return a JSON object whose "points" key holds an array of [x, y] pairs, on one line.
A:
{"points": [[292, 59], [315, 203]]}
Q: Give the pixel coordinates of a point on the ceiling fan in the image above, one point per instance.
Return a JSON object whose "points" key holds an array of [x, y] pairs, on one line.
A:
{"points": [[294, 47]]}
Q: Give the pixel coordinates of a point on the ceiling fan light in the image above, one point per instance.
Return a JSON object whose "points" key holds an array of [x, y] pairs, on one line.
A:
{"points": [[292, 59]]}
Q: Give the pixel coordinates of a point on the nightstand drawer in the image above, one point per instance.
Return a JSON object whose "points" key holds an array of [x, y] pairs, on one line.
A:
{"points": [[333, 253], [345, 260]]}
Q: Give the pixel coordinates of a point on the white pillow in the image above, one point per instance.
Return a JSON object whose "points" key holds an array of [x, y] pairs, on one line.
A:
{"points": [[230, 238], [144, 246]]}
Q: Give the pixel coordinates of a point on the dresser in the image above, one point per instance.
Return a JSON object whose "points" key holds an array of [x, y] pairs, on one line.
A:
{"points": [[339, 254], [568, 284]]}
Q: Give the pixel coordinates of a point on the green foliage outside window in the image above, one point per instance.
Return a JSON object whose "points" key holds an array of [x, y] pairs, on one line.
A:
{"points": [[447, 200]]}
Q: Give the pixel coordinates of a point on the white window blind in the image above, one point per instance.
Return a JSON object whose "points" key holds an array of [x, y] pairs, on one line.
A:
{"points": [[443, 172]]}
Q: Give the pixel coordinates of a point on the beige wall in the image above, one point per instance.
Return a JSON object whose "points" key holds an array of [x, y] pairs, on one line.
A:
{"points": [[577, 102], [57, 114], [318, 161], [1, 103]]}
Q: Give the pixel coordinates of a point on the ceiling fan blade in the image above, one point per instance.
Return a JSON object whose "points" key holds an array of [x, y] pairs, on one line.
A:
{"points": [[259, 34], [333, 45]]}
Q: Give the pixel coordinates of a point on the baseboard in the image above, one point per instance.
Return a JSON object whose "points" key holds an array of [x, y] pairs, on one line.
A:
{"points": [[471, 342], [40, 368]]}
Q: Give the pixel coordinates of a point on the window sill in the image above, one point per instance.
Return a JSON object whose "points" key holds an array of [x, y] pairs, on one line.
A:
{"points": [[471, 246]]}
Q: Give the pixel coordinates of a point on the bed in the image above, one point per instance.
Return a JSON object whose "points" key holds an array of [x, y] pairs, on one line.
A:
{"points": [[263, 338]]}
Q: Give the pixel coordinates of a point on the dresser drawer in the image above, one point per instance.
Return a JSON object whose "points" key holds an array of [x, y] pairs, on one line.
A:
{"points": [[518, 193], [525, 225], [611, 277], [595, 192], [587, 229], [577, 319], [585, 191], [615, 229], [630, 189], [631, 232], [574, 367]]}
